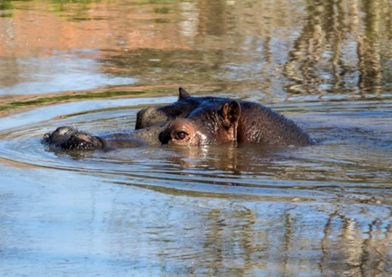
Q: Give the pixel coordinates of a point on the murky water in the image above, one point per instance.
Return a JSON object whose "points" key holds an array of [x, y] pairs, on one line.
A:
{"points": [[226, 210]]}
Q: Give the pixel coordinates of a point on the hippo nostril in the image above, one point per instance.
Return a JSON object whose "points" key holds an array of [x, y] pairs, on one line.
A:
{"points": [[46, 137]]}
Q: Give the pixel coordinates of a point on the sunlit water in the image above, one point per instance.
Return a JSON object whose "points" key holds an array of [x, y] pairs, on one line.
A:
{"points": [[226, 210], [254, 205], [353, 151]]}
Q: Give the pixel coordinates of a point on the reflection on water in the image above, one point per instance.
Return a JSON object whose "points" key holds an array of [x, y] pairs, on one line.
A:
{"points": [[221, 210], [342, 47], [261, 49], [54, 74], [227, 210]]}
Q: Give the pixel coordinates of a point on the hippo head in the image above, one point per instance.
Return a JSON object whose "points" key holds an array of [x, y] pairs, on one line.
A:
{"points": [[154, 115], [68, 138], [182, 108], [209, 124]]}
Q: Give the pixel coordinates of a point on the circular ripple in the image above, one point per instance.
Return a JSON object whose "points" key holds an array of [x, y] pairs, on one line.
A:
{"points": [[351, 158]]}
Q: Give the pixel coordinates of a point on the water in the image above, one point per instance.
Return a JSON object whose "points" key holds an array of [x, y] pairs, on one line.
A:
{"points": [[214, 210]]}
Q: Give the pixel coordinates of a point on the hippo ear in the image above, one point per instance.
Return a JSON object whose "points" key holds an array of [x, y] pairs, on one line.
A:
{"points": [[230, 112], [183, 94]]}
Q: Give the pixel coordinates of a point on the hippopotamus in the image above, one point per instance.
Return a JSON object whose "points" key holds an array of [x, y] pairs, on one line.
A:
{"points": [[192, 121], [211, 123], [256, 123]]}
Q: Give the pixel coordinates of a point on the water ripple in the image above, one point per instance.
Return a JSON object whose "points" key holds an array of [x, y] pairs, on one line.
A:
{"points": [[350, 162]]}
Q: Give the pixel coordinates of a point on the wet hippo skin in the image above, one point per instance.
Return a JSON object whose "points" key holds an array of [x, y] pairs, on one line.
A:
{"points": [[71, 139], [212, 123], [256, 124], [192, 121], [209, 124], [68, 138]]}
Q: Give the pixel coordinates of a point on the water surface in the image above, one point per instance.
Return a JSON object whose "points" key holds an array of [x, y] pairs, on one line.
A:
{"points": [[224, 210]]}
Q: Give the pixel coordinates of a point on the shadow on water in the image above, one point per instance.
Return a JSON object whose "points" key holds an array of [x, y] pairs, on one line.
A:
{"points": [[214, 210]]}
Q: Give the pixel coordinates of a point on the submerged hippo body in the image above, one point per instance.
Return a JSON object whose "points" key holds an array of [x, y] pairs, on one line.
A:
{"points": [[256, 124]]}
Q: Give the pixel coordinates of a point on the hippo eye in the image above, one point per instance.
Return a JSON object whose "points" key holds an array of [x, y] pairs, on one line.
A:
{"points": [[180, 135]]}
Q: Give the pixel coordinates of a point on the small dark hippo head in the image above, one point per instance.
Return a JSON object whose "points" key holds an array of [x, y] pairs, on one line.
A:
{"points": [[180, 109], [68, 138], [58, 136], [150, 116], [211, 124]]}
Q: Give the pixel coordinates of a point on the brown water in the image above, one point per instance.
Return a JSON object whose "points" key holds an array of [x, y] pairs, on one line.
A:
{"points": [[324, 210]]}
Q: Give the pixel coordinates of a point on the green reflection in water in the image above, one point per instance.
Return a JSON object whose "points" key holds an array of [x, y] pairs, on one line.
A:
{"points": [[162, 10], [74, 97], [164, 1], [6, 5], [257, 47]]}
